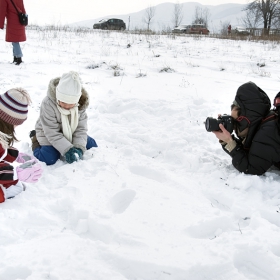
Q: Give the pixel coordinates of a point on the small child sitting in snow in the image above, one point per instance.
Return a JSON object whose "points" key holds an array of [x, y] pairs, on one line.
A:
{"points": [[61, 130], [13, 112]]}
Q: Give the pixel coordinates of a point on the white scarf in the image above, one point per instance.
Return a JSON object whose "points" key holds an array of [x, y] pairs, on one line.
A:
{"points": [[68, 128]]}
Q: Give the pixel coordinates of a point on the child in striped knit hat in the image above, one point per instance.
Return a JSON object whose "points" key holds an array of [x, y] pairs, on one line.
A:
{"points": [[13, 112]]}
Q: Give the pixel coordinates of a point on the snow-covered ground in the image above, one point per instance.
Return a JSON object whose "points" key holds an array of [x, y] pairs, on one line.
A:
{"points": [[158, 199]]}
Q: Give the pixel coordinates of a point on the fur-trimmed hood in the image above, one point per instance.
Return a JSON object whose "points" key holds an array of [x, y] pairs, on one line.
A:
{"points": [[51, 93]]}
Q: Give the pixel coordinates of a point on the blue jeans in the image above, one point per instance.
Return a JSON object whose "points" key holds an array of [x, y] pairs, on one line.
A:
{"points": [[17, 50], [50, 155]]}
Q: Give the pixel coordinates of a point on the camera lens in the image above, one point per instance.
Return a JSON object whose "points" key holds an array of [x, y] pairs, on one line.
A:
{"points": [[207, 124], [212, 124]]}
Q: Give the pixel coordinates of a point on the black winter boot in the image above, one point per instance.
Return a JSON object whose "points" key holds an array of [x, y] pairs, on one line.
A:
{"points": [[18, 61], [35, 143], [15, 59], [32, 133]]}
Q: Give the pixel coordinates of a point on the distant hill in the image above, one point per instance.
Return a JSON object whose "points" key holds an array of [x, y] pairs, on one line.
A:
{"points": [[164, 12]]}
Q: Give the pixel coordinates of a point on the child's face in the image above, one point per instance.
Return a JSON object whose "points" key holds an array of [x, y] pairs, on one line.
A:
{"points": [[66, 105]]}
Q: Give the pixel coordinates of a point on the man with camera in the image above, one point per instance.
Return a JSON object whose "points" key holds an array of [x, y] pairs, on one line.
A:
{"points": [[255, 147]]}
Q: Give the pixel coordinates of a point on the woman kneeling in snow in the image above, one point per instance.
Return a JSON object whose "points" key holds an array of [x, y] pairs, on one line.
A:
{"points": [[61, 129], [13, 112]]}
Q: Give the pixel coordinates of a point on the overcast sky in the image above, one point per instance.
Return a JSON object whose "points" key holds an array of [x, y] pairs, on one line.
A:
{"points": [[65, 11]]}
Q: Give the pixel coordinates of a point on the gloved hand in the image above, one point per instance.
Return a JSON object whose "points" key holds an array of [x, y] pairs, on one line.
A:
{"points": [[79, 152], [22, 157], [74, 154], [30, 171]]}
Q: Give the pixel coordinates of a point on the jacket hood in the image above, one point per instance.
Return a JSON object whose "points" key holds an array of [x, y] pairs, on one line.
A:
{"points": [[255, 105], [51, 93]]}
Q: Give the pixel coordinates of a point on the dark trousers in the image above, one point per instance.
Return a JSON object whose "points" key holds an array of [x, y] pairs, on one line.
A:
{"points": [[50, 155]]}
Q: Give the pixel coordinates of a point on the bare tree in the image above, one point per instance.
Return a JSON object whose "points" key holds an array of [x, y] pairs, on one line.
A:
{"points": [[201, 16], [276, 22], [178, 14], [268, 11], [149, 14], [251, 19]]}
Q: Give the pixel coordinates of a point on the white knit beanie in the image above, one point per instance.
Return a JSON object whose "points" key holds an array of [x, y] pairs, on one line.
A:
{"points": [[69, 88]]}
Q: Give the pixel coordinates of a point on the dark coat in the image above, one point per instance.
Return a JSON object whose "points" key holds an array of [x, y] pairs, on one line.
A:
{"points": [[15, 32], [261, 148]]}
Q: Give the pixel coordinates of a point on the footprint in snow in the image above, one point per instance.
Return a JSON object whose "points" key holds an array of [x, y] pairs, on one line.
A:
{"points": [[121, 200], [210, 229], [15, 272]]}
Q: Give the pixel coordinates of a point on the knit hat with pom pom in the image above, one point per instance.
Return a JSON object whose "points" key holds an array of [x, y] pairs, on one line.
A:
{"points": [[14, 106]]}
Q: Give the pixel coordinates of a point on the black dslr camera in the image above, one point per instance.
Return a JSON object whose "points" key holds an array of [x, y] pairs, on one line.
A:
{"points": [[227, 121]]}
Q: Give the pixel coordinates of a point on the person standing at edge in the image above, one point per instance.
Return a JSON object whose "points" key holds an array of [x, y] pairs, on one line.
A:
{"points": [[229, 29], [15, 32]]}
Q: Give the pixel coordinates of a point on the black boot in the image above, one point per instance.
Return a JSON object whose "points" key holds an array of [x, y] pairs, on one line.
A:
{"points": [[15, 59], [18, 61], [35, 143], [32, 133]]}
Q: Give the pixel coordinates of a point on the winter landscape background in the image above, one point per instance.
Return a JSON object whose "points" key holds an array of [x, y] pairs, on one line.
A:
{"points": [[85, 13], [219, 15], [159, 198]]}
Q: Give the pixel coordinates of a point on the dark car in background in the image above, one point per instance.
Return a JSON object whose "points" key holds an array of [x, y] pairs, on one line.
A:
{"points": [[110, 24]]}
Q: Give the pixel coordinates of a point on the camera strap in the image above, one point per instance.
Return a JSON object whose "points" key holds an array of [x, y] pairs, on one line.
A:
{"points": [[242, 123], [270, 117], [273, 115], [15, 7]]}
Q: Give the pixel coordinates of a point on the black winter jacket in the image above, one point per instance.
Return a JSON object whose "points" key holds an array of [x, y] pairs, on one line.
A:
{"points": [[261, 148]]}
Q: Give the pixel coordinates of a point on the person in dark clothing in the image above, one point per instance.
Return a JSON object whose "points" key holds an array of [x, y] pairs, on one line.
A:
{"points": [[255, 147], [229, 29]]}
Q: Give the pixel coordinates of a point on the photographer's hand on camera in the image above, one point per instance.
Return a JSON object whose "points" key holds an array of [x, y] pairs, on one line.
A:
{"points": [[223, 135], [225, 138]]}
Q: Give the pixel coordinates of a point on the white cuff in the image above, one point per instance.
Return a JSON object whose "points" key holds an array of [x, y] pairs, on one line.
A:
{"points": [[230, 145], [14, 190], [15, 177]]}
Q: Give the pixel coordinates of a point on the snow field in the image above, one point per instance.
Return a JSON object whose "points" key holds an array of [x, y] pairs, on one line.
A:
{"points": [[158, 199]]}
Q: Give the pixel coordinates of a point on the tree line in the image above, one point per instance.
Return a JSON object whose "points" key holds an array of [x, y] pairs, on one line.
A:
{"points": [[258, 14], [263, 13], [201, 15]]}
